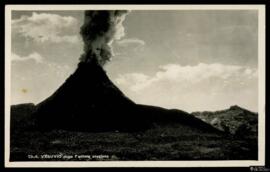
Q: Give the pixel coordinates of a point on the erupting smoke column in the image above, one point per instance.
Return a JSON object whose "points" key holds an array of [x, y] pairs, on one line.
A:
{"points": [[99, 30]]}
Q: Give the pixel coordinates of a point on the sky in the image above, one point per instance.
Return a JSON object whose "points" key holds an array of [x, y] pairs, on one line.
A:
{"points": [[193, 60]]}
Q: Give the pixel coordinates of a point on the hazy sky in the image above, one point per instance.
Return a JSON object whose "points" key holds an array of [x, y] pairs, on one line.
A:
{"points": [[190, 60]]}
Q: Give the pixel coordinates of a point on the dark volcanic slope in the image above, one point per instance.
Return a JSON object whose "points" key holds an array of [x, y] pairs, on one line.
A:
{"points": [[88, 100]]}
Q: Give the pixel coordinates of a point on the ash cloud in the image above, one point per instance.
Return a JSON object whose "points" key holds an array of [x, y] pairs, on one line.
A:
{"points": [[99, 30]]}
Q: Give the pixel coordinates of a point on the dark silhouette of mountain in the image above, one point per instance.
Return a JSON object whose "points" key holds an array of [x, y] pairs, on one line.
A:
{"points": [[116, 126], [89, 101], [235, 120], [22, 116]]}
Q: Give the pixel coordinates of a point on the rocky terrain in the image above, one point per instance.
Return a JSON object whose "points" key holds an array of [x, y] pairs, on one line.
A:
{"points": [[235, 120], [163, 141]]}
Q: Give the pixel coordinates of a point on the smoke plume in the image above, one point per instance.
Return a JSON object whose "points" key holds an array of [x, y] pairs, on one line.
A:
{"points": [[99, 30]]}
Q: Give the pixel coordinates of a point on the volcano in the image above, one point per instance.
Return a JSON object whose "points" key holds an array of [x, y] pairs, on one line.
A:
{"points": [[89, 101]]}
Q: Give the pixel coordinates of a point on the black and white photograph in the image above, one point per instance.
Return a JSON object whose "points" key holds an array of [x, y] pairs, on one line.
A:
{"points": [[135, 86]]}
